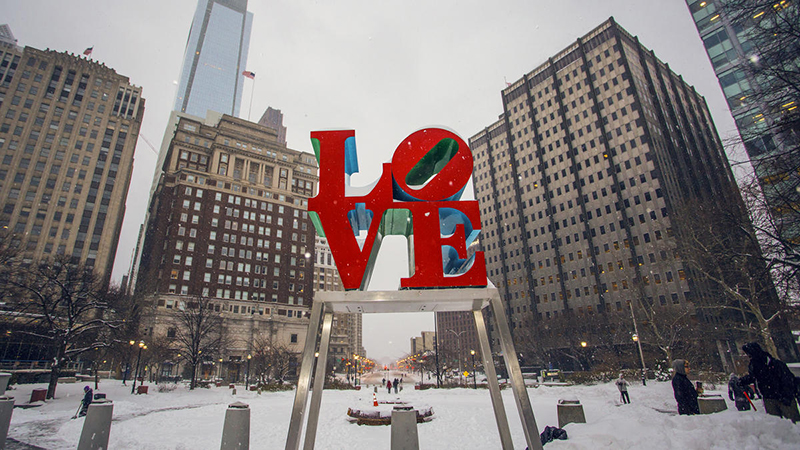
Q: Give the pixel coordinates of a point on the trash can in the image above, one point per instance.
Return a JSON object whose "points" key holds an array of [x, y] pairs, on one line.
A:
{"points": [[711, 403], [5, 377], [38, 395]]}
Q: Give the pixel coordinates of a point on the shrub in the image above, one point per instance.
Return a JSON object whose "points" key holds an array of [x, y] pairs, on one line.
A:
{"points": [[337, 384], [167, 387], [274, 387]]}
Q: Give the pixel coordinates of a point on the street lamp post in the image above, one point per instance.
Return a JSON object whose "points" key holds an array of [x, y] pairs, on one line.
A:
{"points": [[247, 374], [474, 379], [138, 359], [356, 377], [639, 343], [127, 363], [460, 366]]}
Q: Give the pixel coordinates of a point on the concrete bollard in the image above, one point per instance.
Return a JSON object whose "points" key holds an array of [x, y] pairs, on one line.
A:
{"points": [[236, 431], [5, 377], [404, 428], [97, 426], [6, 408], [711, 403], [570, 411]]}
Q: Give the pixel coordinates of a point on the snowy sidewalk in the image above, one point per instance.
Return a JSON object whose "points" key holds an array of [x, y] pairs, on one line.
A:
{"points": [[463, 418]]}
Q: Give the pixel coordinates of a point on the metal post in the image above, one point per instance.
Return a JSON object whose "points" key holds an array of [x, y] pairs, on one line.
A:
{"points": [[136, 374], [247, 374], [639, 343], [460, 366], [436, 348], [474, 379]]}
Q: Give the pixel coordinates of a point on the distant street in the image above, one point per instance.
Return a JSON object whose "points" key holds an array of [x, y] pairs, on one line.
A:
{"points": [[374, 378]]}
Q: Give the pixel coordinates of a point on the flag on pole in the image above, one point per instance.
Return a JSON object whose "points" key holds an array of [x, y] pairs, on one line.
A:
{"points": [[88, 51], [248, 74]]}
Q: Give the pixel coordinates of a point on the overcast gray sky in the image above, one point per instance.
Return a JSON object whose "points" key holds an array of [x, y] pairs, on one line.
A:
{"points": [[382, 68]]}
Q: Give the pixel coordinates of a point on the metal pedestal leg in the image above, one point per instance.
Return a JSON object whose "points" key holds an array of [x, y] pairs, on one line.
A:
{"points": [[304, 380], [491, 379], [517, 383], [319, 382]]}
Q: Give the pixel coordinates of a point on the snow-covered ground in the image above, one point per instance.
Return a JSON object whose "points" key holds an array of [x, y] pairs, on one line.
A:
{"points": [[184, 419]]}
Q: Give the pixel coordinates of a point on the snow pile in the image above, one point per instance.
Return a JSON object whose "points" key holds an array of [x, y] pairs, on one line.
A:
{"points": [[184, 419]]}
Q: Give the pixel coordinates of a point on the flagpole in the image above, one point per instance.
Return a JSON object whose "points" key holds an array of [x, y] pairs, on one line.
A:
{"points": [[250, 110]]}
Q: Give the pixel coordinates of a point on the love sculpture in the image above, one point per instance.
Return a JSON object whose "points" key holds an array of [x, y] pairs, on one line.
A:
{"points": [[418, 195]]}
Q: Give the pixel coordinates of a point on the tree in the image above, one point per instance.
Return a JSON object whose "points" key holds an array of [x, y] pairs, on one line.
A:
{"points": [[721, 248], [126, 313], [63, 302], [198, 333]]}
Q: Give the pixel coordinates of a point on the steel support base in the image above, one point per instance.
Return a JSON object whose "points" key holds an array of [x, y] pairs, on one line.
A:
{"points": [[429, 300]]}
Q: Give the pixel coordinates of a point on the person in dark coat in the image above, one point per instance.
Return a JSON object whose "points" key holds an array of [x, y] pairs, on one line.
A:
{"points": [[736, 392], [87, 400], [775, 382], [395, 385], [685, 393], [389, 386]]}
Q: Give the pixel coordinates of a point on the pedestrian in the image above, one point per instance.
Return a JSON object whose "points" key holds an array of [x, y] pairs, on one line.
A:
{"points": [[737, 393], [622, 385], [383, 382], [87, 400], [389, 386], [395, 385], [775, 382], [685, 393]]}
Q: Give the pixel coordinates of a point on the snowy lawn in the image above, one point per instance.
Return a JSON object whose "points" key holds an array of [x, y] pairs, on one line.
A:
{"points": [[463, 419]]}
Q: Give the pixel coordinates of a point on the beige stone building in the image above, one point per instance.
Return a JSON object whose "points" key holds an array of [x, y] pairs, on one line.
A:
{"points": [[346, 329], [68, 130]]}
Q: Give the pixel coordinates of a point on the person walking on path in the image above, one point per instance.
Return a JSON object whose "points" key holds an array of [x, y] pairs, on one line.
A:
{"points": [[774, 380], [389, 386], [622, 385], [736, 392], [685, 393], [87, 400], [395, 385]]}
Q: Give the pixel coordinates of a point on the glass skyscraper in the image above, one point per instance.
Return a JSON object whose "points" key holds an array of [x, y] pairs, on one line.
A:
{"points": [[216, 55], [759, 101]]}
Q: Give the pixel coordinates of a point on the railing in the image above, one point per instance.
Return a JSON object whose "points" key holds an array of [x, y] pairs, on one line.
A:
{"points": [[37, 365]]}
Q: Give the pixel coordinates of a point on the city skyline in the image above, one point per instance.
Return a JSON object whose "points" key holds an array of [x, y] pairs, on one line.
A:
{"points": [[357, 72]]}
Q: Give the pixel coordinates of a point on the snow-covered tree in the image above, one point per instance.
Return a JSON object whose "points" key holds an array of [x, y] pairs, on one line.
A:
{"points": [[63, 302], [199, 334]]}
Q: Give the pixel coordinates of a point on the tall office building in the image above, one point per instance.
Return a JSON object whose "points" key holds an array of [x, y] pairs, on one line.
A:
{"points": [[578, 182], [228, 222], [758, 98], [215, 57], [346, 337], [273, 118], [7, 38], [67, 137]]}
